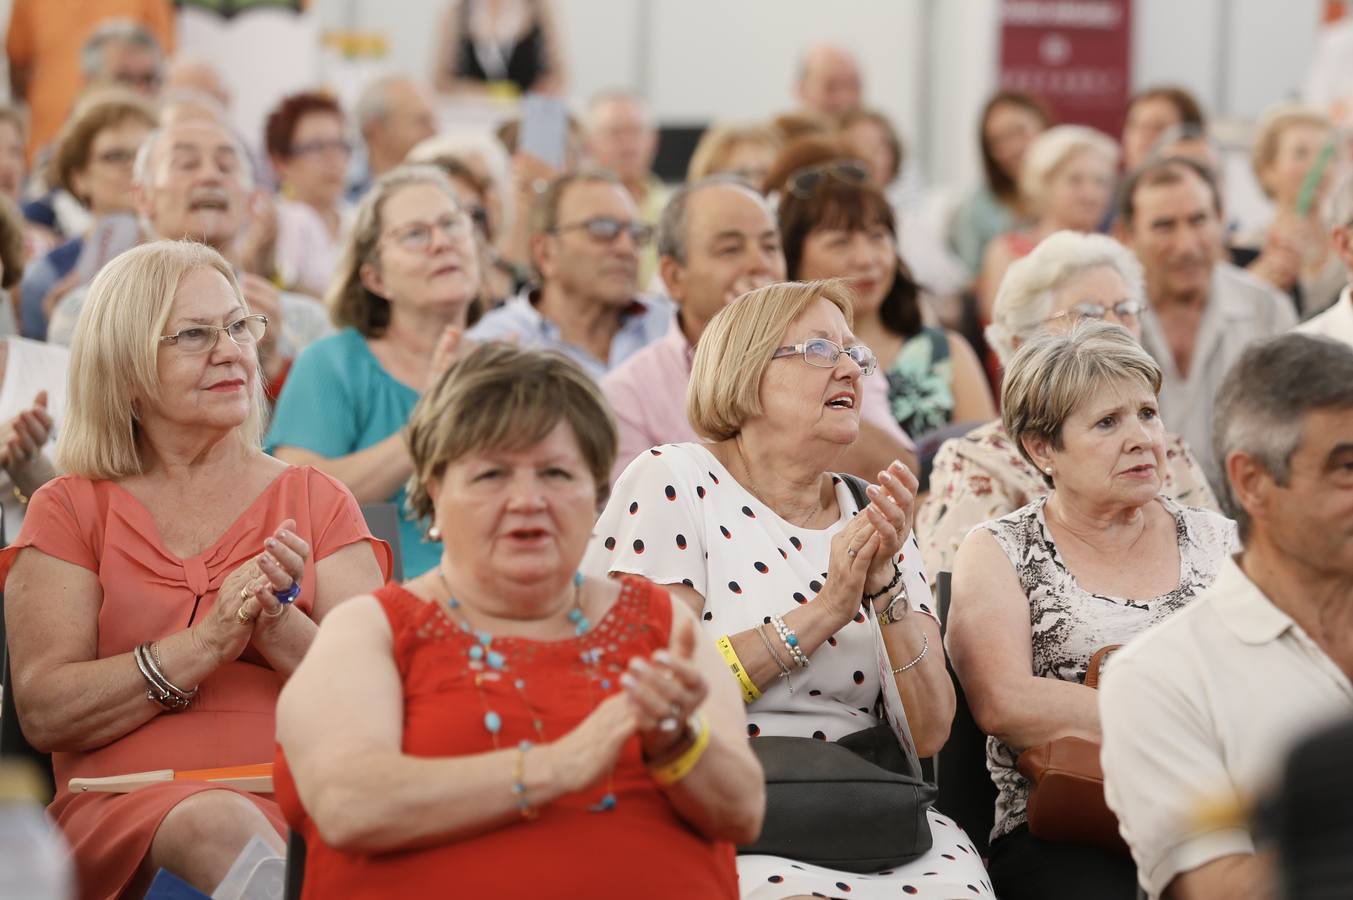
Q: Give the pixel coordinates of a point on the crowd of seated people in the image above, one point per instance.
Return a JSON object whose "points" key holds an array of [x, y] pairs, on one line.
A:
{"points": [[696, 483]]}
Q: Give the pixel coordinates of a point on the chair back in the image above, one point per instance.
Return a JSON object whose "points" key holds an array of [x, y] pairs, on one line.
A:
{"points": [[383, 520], [966, 792]]}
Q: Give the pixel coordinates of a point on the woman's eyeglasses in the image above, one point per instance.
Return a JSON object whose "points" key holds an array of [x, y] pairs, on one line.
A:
{"points": [[416, 237], [202, 338], [804, 182], [823, 353], [1123, 309], [604, 230]]}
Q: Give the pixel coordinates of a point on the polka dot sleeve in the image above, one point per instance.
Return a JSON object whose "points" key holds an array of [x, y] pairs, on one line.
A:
{"points": [[653, 525]]}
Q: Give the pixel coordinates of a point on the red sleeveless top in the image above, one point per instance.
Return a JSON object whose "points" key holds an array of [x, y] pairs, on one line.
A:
{"points": [[641, 848]]}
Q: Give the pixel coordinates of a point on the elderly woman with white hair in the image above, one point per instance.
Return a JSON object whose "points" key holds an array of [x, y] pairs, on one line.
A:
{"points": [[1066, 180], [808, 582], [1039, 591], [982, 475]]}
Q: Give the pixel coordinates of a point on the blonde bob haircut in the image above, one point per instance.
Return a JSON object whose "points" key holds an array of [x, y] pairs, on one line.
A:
{"points": [[736, 348], [1053, 374], [114, 353], [501, 397], [1270, 133], [349, 302]]}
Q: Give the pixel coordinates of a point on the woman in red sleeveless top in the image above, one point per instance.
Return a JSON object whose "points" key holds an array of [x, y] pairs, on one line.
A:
{"points": [[502, 726]]}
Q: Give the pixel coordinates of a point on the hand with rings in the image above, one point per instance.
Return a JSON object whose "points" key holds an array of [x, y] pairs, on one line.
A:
{"points": [[280, 565], [665, 690], [889, 515]]}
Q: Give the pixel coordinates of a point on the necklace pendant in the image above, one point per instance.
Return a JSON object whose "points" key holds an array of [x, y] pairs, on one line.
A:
{"points": [[605, 804]]}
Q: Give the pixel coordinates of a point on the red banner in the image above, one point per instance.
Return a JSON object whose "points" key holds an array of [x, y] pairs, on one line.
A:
{"points": [[1075, 54]]}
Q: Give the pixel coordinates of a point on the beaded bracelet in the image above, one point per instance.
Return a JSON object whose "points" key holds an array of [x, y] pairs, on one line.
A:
{"points": [[528, 812], [670, 773], [791, 641], [780, 663], [897, 576], [925, 648], [750, 692]]}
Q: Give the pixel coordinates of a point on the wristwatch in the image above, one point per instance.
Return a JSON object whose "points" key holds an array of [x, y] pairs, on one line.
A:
{"points": [[891, 613]]}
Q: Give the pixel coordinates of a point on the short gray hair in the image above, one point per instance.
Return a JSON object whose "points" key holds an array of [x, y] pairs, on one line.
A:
{"points": [[1053, 374], [672, 236], [1263, 402], [115, 31], [1052, 148], [373, 104], [1024, 299]]}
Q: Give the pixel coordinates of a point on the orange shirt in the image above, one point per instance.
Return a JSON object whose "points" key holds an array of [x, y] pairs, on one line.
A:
{"points": [[47, 36]]}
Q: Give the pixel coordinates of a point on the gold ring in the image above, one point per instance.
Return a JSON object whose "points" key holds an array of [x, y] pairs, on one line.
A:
{"points": [[244, 593], [242, 616]]}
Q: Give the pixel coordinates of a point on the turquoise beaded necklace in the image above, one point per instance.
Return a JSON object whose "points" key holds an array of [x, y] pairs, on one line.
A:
{"points": [[488, 664]]}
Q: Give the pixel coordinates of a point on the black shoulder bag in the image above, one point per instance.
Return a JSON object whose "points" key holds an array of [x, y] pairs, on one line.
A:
{"points": [[855, 805]]}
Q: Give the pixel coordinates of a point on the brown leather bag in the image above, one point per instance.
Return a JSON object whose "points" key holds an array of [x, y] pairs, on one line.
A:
{"points": [[1066, 785]]}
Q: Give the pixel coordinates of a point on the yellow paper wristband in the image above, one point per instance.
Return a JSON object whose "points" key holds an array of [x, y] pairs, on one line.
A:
{"points": [[750, 692], [680, 767]]}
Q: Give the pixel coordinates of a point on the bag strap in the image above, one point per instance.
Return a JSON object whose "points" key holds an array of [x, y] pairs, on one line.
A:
{"points": [[857, 486], [1096, 663]]}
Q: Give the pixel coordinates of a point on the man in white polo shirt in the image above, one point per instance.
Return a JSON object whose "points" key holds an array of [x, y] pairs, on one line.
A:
{"points": [[1337, 321], [1199, 712]]}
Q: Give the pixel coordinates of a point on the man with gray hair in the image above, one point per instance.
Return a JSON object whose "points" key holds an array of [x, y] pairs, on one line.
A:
{"points": [[717, 239], [192, 181], [1337, 321], [1199, 713], [56, 51], [393, 114]]}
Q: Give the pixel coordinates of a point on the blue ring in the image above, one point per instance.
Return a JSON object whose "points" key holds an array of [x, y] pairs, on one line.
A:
{"points": [[290, 594]]}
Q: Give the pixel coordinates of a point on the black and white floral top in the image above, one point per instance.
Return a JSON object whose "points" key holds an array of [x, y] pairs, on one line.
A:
{"points": [[1070, 623]]}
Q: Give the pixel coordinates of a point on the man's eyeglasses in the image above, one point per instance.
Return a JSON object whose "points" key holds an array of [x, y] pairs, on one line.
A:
{"points": [[804, 182], [823, 353], [416, 237], [1123, 309], [202, 338], [604, 230], [316, 148]]}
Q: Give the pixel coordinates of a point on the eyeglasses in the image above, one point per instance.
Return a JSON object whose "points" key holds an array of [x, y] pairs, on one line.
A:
{"points": [[138, 79], [202, 338], [416, 237], [823, 353], [316, 148], [480, 216], [1123, 309], [604, 230], [804, 182]]}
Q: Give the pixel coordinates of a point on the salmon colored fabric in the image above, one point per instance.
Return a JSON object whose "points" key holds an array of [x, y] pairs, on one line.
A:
{"points": [[48, 36], [641, 848], [148, 594]]}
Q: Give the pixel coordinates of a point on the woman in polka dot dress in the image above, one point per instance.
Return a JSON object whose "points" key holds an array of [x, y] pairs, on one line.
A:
{"points": [[756, 534]]}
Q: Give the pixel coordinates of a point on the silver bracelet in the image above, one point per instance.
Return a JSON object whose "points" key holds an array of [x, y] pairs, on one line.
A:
{"points": [[162, 691], [770, 648], [925, 648], [791, 641]]}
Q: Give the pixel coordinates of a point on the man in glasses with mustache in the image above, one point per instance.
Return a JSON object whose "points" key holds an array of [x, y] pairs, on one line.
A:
{"points": [[586, 237], [717, 239], [192, 181], [1202, 311]]}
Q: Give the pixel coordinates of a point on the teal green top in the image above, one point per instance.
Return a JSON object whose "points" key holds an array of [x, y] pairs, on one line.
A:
{"points": [[919, 383], [337, 400], [979, 220]]}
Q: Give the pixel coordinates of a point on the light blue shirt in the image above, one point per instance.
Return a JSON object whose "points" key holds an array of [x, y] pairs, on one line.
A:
{"points": [[646, 321]]}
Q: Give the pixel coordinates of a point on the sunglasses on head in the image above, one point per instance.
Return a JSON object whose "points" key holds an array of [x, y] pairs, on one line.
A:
{"points": [[804, 182]]}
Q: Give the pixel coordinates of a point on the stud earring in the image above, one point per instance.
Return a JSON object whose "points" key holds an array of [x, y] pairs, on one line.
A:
{"points": [[435, 533], [1048, 470]]}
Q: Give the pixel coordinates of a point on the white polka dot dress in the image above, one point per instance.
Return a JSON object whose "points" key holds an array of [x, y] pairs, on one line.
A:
{"points": [[676, 516]]}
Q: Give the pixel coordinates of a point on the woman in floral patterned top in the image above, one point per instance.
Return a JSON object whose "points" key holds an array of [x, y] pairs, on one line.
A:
{"points": [[982, 476], [835, 223]]}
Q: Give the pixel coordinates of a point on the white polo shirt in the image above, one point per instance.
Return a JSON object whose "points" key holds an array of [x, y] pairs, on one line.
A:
{"points": [[1335, 322], [1199, 713]]}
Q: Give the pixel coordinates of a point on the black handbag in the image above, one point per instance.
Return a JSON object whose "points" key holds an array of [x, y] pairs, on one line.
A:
{"points": [[849, 805]]}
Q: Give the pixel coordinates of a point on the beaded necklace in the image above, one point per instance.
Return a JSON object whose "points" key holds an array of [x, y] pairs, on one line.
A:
{"points": [[487, 664]]}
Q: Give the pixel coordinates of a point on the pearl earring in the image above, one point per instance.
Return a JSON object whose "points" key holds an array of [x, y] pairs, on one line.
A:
{"points": [[435, 533], [1048, 470]]}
